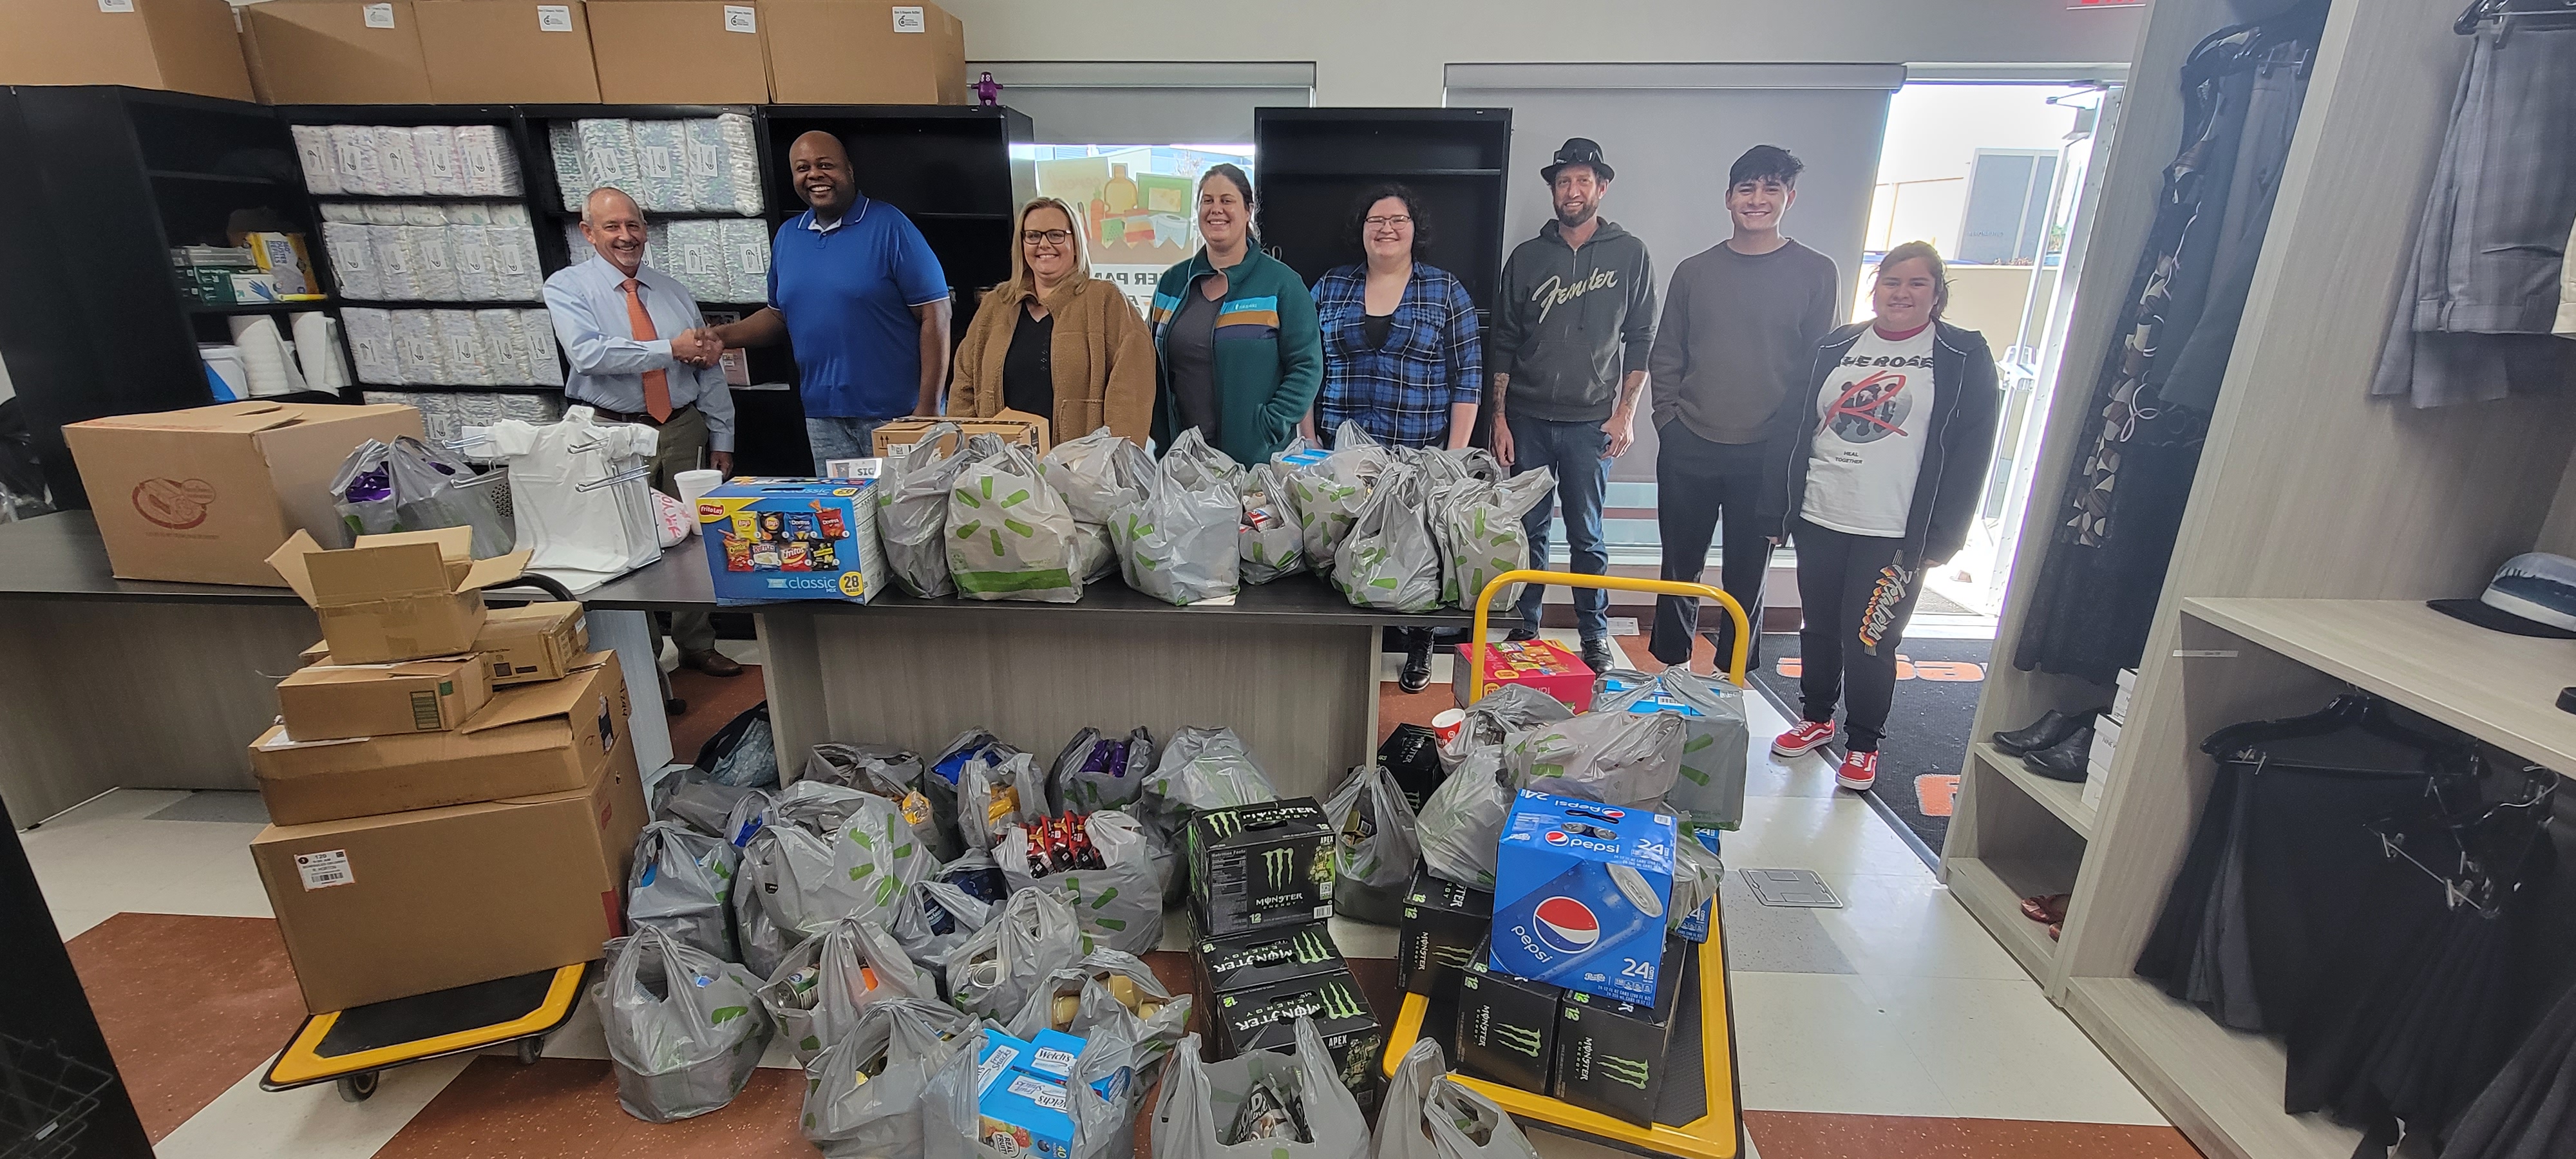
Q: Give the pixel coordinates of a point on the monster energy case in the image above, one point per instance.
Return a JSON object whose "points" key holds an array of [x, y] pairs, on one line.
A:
{"points": [[1250, 961], [1442, 924], [1260, 867], [1265, 1018], [1610, 1054], [1506, 1026]]}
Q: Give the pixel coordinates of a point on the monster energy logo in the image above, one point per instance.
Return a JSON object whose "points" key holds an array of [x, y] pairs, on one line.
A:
{"points": [[1633, 1072], [1339, 1002], [1222, 825], [1279, 866], [1452, 955], [1520, 1038], [1310, 946]]}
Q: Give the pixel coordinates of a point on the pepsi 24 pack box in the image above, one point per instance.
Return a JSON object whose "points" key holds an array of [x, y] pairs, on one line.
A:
{"points": [[1580, 892]]}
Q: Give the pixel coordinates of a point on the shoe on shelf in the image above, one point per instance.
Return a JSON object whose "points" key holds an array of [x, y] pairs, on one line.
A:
{"points": [[2050, 728], [711, 662], [2047, 909], [1416, 673], [1807, 737], [1522, 635], [1596, 655], [2065, 760], [2054, 929], [1858, 772]]}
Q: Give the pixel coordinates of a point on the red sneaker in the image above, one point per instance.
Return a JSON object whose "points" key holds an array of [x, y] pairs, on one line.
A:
{"points": [[1858, 772], [1809, 736]]}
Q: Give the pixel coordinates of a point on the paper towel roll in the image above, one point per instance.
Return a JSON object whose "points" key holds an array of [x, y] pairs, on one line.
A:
{"points": [[263, 355], [694, 485], [317, 350]]}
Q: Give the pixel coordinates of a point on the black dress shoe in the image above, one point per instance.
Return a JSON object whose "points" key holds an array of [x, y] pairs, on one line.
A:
{"points": [[1596, 655], [2065, 760], [1522, 635], [2044, 732], [1416, 673]]}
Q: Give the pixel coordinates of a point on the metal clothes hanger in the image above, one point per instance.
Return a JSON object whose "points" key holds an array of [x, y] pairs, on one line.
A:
{"points": [[2525, 15]]}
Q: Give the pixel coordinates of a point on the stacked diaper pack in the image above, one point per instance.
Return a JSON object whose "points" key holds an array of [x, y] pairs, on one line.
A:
{"points": [[408, 160], [407, 251], [719, 259], [496, 347], [705, 165], [447, 414]]}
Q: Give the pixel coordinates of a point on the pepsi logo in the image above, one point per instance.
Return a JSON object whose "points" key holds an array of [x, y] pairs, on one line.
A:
{"points": [[1566, 925], [1556, 836], [1614, 814]]}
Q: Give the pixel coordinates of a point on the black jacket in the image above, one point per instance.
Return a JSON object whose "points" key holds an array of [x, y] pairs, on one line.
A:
{"points": [[1569, 324], [1966, 403]]}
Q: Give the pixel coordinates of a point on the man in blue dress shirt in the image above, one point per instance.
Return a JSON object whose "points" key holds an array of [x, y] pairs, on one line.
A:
{"points": [[858, 294], [641, 353]]}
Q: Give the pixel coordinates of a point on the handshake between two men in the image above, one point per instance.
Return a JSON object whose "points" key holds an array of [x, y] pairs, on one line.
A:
{"points": [[698, 346]]}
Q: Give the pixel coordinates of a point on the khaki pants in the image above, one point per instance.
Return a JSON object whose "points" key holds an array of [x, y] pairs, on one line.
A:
{"points": [[682, 443]]}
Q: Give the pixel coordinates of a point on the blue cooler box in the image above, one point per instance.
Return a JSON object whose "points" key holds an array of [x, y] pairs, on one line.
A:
{"points": [[1580, 894], [792, 539]]}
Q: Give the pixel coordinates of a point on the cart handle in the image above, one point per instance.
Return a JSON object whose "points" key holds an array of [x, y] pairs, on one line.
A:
{"points": [[1485, 603]]}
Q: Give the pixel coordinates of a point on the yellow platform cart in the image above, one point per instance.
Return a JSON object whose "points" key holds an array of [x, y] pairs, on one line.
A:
{"points": [[1701, 1087], [351, 1048]]}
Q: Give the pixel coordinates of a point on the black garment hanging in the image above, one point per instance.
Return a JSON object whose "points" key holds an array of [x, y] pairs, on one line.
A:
{"points": [[2528, 1111]]}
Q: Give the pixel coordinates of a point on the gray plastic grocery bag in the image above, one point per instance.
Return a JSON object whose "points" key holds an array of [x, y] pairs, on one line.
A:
{"points": [[684, 1031], [1120, 904], [1374, 845], [1096, 772], [992, 798], [1201, 769], [912, 509], [1200, 1099], [1010, 536], [1108, 991], [1099, 474], [692, 796], [1103, 1124], [1708, 788], [1616, 758], [884, 771], [1491, 721], [1178, 543], [682, 884], [795, 883], [864, 1091], [1327, 496], [1269, 543], [816, 993], [933, 919], [1389, 561], [1697, 875], [1462, 820], [1031, 936], [1428, 1115], [1481, 536]]}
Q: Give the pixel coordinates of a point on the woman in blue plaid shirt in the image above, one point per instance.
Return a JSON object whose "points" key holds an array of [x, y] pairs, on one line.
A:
{"points": [[1403, 356], [1402, 352]]}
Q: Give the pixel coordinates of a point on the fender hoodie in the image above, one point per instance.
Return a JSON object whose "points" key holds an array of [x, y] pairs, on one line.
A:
{"points": [[1571, 322]]}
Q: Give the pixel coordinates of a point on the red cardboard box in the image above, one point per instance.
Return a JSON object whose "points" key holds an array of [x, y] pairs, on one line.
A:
{"points": [[1542, 665]]}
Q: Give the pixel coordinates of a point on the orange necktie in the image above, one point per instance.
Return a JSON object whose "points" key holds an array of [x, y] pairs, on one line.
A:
{"points": [[657, 384]]}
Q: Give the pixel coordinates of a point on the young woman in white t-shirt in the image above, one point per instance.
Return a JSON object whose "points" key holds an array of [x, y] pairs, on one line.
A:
{"points": [[1883, 480]]}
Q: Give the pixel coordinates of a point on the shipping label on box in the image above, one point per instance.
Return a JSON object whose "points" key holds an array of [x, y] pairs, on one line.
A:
{"points": [[1580, 893], [1260, 867], [333, 702], [792, 539]]}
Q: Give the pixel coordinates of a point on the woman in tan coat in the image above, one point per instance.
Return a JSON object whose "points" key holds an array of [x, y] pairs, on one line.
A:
{"points": [[1056, 342]]}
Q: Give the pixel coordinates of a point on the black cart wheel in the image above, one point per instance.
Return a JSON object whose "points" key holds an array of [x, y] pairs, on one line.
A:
{"points": [[530, 1050], [357, 1088]]}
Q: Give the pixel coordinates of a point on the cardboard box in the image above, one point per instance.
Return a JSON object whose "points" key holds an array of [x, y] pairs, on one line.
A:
{"points": [[1260, 867], [1015, 426], [185, 46], [679, 52], [1442, 925], [1023, 1115], [792, 539], [852, 52], [333, 702], [1506, 1027], [1541, 664], [205, 495], [532, 642], [409, 595], [507, 52], [1580, 894], [336, 52], [535, 738], [1265, 1018], [382, 907], [1610, 1054], [1250, 961]]}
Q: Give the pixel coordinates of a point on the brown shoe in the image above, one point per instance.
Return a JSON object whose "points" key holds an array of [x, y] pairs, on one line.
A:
{"points": [[711, 662]]}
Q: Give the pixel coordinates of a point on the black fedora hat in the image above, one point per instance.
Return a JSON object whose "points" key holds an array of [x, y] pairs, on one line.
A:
{"points": [[1578, 151]]}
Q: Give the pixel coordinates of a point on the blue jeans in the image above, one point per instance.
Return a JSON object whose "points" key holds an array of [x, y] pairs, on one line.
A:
{"points": [[1577, 452], [841, 438]]}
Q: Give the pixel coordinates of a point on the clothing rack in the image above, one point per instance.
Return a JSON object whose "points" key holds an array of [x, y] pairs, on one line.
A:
{"points": [[2534, 15]]}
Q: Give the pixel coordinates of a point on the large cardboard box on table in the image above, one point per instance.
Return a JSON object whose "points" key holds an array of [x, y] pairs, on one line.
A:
{"points": [[185, 46], [336, 52], [382, 907], [535, 738], [507, 52], [679, 52], [205, 495], [408, 595], [854, 52], [1017, 427], [343, 701]]}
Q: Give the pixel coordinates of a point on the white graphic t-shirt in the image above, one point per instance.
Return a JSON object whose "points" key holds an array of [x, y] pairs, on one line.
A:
{"points": [[1876, 409]]}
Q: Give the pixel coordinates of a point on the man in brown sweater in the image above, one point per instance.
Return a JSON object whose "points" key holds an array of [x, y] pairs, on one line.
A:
{"points": [[1730, 370]]}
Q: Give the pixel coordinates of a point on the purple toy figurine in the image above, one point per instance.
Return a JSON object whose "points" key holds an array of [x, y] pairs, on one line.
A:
{"points": [[988, 92]]}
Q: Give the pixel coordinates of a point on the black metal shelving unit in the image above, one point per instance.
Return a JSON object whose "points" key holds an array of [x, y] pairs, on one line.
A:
{"points": [[1312, 164]]}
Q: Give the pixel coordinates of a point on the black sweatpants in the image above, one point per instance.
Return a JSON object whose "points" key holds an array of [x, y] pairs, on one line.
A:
{"points": [[1857, 601], [1695, 482]]}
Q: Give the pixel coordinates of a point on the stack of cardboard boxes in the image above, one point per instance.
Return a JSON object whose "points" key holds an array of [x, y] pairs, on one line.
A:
{"points": [[452, 790]]}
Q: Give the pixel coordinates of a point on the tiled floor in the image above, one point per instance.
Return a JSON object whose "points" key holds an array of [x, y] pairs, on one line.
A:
{"points": [[1893, 1027]]}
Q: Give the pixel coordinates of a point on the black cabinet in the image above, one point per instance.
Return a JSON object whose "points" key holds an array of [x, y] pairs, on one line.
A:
{"points": [[1313, 165]]}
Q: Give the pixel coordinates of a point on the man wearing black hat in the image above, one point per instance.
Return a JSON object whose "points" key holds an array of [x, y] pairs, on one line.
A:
{"points": [[1572, 329]]}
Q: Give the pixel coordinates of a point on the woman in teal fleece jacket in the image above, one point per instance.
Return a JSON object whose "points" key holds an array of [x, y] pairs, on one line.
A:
{"points": [[1237, 352]]}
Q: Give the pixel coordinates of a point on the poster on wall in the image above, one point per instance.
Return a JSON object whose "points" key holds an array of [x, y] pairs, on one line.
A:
{"points": [[1134, 203]]}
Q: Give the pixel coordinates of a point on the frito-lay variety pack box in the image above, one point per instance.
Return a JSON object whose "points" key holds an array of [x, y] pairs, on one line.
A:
{"points": [[792, 539], [1610, 1054], [205, 495], [1260, 867], [1265, 1018], [408, 595]]}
